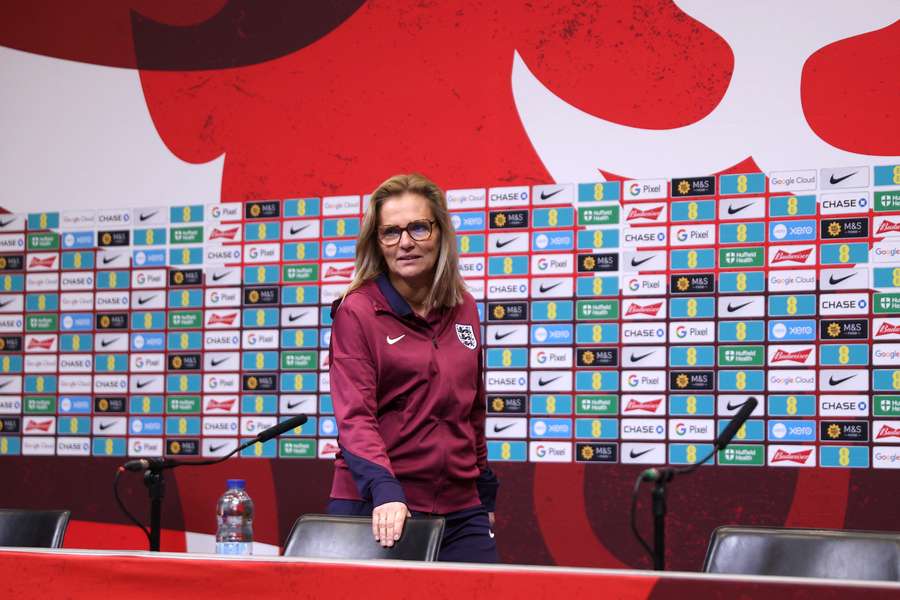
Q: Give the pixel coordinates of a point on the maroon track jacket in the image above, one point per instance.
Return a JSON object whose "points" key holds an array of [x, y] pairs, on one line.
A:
{"points": [[409, 399]]}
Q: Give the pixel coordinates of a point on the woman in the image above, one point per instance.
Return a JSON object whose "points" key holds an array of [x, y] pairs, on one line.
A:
{"points": [[406, 378]]}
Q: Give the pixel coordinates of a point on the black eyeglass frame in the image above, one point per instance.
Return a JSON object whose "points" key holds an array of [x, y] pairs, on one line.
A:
{"points": [[431, 224]]}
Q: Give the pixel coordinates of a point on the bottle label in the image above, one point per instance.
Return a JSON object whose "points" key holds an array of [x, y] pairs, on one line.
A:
{"points": [[234, 548]]}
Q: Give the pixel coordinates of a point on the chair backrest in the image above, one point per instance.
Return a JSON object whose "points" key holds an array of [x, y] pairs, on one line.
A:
{"points": [[33, 528], [825, 553], [328, 536]]}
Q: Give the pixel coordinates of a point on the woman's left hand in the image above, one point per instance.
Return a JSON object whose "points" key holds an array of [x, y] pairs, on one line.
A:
{"points": [[491, 520]]}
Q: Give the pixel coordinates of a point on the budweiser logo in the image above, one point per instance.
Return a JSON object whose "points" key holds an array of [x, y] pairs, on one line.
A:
{"points": [[35, 344], [223, 234], [649, 309], [38, 425], [888, 329], [651, 214], [217, 319], [648, 405], [799, 256], [887, 431], [887, 227], [330, 448], [800, 456], [214, 404], [42, 262], [339, 271], [798, 356]]}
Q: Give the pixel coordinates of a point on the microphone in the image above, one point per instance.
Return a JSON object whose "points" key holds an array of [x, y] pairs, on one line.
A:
{"points": [[664, 474], [277, 430], [739, 419], [143, 464], [158, 464]]}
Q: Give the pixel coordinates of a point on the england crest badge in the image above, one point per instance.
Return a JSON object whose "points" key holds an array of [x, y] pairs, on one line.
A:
{"points": [[466, 336]]}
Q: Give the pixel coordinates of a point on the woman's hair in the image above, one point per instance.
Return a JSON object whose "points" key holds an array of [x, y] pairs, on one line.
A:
{"points": [[448, 287]]}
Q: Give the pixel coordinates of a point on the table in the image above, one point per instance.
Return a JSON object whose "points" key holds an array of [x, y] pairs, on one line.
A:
{"points": [[40, 573]]}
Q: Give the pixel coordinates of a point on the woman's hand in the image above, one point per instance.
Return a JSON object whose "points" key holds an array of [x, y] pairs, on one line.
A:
{"points": [[387, 522], [491, 519]]}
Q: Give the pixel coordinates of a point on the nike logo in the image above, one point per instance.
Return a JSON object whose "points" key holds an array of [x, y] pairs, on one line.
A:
{"points": [[5, 223], [732, 308], [498, 428], [835, 180], [641, 357], [105, 426], [498, 336], [296, 230], [4, 384], [634, 454], [636, 263], [731, 406], [142, 217], [105, 343], [143, 384], [500, 244], [218, 276], [216, 363], [547, 288], [6, 303], [142, 301], [833, 381], [291, 405], [733, 211], [107, 260], [545, 195], [293, 318], [216, 448], [543, 381], [391, 341], [833, 281]]}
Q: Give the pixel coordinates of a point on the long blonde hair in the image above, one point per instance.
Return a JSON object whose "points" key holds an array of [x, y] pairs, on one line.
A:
{"points": [[447, 287]]}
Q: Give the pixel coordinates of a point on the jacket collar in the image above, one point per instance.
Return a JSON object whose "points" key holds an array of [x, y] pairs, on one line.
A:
{"points": [[397, 303]]}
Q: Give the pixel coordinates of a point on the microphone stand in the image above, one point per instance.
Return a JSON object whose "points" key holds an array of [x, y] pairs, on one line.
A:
{"points": [[156, 484], [664, 475], [658, 496]]}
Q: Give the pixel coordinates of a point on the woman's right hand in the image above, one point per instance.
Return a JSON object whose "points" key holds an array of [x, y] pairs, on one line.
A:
{"points": [[387, 522]]}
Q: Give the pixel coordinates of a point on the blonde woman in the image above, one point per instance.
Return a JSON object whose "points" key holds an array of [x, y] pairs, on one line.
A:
{"points": [[406, 378]]}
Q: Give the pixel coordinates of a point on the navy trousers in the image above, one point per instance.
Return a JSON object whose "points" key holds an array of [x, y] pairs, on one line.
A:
{"points": [[467, 533]]}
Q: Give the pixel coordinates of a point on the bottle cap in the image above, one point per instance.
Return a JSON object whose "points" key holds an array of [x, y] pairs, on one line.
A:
{"points": [[236, 483]]}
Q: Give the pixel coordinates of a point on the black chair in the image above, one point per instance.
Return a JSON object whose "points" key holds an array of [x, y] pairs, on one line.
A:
{"points": [[825, 553], [33, 528], [327, 536]]}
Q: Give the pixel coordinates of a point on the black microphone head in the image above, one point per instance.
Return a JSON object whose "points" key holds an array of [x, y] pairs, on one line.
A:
{"points": [[735, 424], [280, 428]]}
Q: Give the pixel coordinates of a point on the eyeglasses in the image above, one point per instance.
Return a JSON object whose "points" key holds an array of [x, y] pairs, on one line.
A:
{"points": [[419, 231]]}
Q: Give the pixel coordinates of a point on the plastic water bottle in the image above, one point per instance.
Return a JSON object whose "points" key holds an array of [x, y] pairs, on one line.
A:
{"points": [[234, 513]]}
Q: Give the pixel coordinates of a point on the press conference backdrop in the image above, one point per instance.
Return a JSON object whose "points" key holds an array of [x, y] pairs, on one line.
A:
{"points": [[661, 208]]}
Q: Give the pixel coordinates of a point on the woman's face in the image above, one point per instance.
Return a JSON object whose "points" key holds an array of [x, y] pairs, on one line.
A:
{"points": [[412, 260]]}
